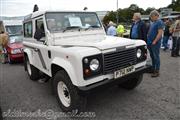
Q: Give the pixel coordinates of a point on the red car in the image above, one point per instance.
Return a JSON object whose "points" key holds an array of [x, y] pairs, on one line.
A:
{"points": [[15, 49]]}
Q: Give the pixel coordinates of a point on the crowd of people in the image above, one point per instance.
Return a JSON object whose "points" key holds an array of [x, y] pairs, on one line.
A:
{"points": [[156, 33]]}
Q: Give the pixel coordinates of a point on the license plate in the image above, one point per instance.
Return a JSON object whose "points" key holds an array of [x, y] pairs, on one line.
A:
{"points": [[124, 71]]}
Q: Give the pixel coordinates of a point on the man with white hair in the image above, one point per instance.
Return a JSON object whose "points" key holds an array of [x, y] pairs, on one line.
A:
{"points": [[138, 29], [154, 41], [111, 30]]}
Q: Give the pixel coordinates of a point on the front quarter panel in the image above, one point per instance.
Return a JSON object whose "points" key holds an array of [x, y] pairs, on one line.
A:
{"points": [[67, 66], [140, 42], [70, 59]]}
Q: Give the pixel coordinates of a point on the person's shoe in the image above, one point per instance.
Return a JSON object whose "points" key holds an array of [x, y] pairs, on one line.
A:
{"points": [[151, 70], [173, 55], [155, 74], [164, 49]]}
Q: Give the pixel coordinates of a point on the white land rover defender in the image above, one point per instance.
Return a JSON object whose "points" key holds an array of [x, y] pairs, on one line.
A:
{"points": [[73, 50]]}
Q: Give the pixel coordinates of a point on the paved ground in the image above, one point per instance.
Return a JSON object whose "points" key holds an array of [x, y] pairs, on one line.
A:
{"points": [[154, 99]]}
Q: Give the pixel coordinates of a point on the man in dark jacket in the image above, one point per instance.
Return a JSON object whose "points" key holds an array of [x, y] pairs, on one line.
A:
{"points": [[138, 29]]}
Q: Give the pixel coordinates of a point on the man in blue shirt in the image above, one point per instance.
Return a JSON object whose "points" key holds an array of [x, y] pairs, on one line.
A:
{"points": [[111, 30], [154, 41], [138, 29]]}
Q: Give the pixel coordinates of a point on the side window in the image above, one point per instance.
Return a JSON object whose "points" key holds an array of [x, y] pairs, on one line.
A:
{"points": [[39, 32], [28, 29], [40, 24]]}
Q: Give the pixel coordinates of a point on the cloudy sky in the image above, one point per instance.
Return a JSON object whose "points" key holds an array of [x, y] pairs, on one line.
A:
{"points": [[24, 7]]}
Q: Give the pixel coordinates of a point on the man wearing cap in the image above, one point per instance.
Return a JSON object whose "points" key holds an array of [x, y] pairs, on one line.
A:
{"points": [[154, 41]]}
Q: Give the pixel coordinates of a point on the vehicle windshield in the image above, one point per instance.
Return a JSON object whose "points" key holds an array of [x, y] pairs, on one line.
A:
{"points": [[70, 21], [15, 39], [14, 29]]}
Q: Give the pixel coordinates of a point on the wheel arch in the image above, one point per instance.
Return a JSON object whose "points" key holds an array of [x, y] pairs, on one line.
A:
{"points": [[28, 54], [60, 64]]}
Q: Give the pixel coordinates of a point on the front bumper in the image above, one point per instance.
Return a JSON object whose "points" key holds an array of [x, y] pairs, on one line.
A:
{"points": [[109, 82], [17, 57]]}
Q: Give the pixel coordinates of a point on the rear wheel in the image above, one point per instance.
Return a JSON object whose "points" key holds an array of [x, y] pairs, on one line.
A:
{"points": [[132, 83], [32, 71], [67, 94]]}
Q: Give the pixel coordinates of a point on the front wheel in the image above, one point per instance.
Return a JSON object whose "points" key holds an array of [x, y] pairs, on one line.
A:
{"points": [[32, 71], [132, 83], [67, 94]]}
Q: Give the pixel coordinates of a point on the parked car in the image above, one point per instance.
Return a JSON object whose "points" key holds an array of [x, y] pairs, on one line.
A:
{"points": [[15, 48], [13, 27], [73, 50], [2, 28]]}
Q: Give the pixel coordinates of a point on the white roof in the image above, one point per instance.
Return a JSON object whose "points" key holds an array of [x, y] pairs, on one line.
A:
{"points": [[38, 13], [12, 22]]}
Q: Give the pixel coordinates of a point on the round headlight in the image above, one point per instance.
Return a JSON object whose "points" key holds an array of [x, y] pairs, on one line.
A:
{"points": [[139, 53], [94, 64]]}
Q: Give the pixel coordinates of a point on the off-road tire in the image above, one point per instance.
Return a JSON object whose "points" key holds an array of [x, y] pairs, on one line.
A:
{"points": [[78, 102], [34, 74]]}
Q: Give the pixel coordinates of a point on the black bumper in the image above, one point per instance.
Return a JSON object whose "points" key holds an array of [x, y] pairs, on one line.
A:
{"points": [[110, 82]]}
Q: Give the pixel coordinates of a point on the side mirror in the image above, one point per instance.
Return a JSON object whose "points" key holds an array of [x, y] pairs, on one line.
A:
{"points": [[38, 35]]}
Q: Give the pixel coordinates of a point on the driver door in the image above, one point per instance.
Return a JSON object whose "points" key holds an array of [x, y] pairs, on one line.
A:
{"points": [[41, 53]]}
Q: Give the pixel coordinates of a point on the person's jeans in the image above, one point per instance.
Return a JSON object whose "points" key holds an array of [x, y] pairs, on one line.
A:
{"points": [[176, 46], [154, 51], [165, 41]]}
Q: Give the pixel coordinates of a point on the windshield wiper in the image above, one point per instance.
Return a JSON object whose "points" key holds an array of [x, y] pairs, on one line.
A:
{"points": [[92, 26], [72, 27]]}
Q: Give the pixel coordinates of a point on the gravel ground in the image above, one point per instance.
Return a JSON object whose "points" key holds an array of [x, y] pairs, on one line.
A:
{"points": [[155, 98]]}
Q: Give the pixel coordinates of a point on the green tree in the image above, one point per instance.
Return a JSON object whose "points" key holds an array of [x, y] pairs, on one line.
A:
{"points": [[111, 16], [148, 10], [175, 5], [124, 15]]}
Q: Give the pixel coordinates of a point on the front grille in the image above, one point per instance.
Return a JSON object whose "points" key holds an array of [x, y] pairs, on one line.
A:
{"points": [[120, 59]]}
